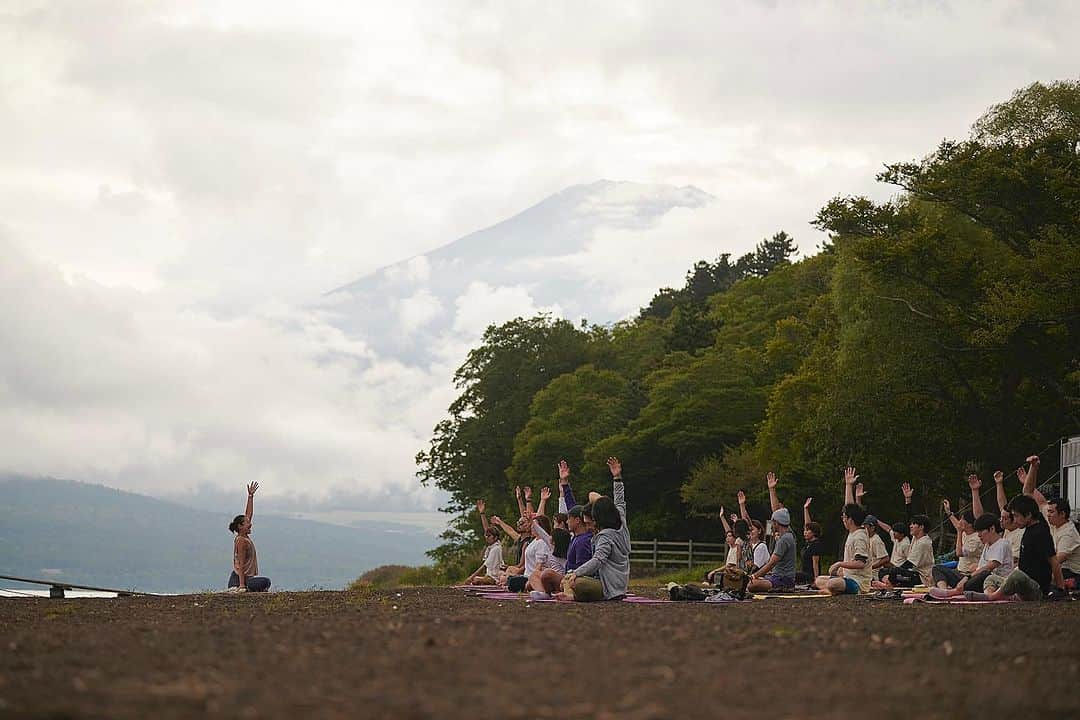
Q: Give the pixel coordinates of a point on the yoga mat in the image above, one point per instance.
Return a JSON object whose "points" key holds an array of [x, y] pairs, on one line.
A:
{"points": [[795, 596], [638, 600]]}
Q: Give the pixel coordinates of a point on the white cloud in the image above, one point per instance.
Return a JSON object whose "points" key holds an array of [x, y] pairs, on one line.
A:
{"points": [[418, 310], [483, 305], [179, 176]]}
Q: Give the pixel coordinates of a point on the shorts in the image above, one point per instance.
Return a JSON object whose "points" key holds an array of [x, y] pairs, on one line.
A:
{"points": [[780, 582], [850, 586], [587, 589]]}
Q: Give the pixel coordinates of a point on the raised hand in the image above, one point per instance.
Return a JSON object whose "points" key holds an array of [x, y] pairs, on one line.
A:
{"points": [[528, 493], [496, 519], [741, 497], [999, 477], [480, 506], [770, 479], [517, 491], [252, 487], [1033, 459], [1021, 475], [948, 507], [721, 511], [974, 482], [849, 475], [545, 493], [806, 505], [734, 518], [907, 491], [859, 491], [615, 467], [564, 472]]}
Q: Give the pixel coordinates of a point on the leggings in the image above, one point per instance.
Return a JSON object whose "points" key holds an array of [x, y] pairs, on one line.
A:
{"points": [[904, 577], [255, 583]]}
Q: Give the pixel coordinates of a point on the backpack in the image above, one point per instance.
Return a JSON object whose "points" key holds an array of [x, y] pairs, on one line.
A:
{"points": [[686, 593], [734, 581]]}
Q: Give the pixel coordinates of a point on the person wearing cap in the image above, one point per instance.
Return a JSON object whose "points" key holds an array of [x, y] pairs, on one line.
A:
{"points": [[779, 572], [879, 554]]}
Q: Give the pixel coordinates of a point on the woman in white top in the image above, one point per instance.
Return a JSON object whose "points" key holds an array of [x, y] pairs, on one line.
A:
{"points": [[759, 549], [488, 572]]}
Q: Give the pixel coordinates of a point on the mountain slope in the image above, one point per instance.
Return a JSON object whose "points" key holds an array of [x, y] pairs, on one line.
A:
{"points": [[90, 534], [526, 260]]}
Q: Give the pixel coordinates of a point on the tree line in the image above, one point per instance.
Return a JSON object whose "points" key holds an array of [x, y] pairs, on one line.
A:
{"points": [[932, 335]]}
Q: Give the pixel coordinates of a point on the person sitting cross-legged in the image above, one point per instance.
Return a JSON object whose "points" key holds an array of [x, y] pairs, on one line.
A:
{"points": [[606, 575], [1038, 562], [488, 572], [852, 574], [779, 572]]}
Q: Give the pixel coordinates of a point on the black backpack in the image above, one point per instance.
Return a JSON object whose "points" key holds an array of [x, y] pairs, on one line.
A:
{"points": [[687, 593]]}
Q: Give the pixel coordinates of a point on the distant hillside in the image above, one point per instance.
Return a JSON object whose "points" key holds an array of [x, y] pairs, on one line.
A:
{"points": [[100, 536]]}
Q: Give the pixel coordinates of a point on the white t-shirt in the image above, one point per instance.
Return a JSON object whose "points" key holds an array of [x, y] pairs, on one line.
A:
{"points": [[493, 560], [900, 551], [971, 550], [1067, 540], [1015, 537], [921, 555], [1000, 551], [733, 555], [877, 549], [537, 554], [857, 547], [761, 554]]}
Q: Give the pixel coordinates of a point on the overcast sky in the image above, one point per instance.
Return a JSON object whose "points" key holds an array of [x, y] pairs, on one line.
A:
{"points": [[178, 181]]}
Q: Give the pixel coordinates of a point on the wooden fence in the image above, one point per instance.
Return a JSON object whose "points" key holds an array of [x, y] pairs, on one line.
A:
{"points": [[662, 553]]}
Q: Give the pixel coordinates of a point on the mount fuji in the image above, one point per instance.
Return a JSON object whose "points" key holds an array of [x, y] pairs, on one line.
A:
{"points": [[542, 259]]}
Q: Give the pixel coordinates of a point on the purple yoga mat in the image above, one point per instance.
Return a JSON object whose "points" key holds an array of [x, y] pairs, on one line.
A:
{"points": [[960, 601]]}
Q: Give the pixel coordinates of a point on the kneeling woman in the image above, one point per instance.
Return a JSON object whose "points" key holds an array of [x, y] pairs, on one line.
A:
{"points": [[245, 575], [606, 576]]}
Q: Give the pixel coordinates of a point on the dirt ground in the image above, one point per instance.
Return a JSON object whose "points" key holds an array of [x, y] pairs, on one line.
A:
{"points": [[437, 653]]}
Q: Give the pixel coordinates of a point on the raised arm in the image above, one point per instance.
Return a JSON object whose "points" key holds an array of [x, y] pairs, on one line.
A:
{"points": [[806, 511], [529, 512], [976, 501], [849, 485], [860, 492], [999, 487], [545, 495], [564, 487], [949, 514], [774, 499], [250, 509], [742, 506], [510, 532], [480, 507], [618, 492], [907, 491], [520, 501], [1030, 480], [539, 532], [723, 519]]}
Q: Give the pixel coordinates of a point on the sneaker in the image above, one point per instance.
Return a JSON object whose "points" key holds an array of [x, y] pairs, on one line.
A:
{"points": [[538, 595]]}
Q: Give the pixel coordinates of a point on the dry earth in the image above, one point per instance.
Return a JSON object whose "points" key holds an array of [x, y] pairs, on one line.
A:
{"points": [[430, 653]]}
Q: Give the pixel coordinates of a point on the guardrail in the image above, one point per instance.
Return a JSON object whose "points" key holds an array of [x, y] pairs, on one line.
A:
{"points": [[664, 553]]}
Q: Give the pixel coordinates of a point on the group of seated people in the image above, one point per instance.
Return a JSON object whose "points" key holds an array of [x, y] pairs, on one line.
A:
{"points": [[1024, 552], [581, 554]]}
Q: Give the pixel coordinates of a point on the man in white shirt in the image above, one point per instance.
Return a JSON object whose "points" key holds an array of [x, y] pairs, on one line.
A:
{"points": [[1066, 538]]}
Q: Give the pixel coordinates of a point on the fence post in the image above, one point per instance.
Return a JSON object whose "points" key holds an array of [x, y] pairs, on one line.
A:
{"points": [[655, 556], [690, 554]]}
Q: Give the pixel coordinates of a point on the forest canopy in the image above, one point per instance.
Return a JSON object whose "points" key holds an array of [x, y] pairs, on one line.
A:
{"points": [[933, 334]]}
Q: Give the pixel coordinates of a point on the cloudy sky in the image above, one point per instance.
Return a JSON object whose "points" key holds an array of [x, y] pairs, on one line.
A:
{"points": [[181, 182]]}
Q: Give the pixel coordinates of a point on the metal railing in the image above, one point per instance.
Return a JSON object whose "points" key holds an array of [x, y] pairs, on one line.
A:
{"points": [[665, 553]]}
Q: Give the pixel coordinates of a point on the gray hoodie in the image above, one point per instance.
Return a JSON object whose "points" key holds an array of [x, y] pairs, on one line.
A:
{"points": [[610, 562]]}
